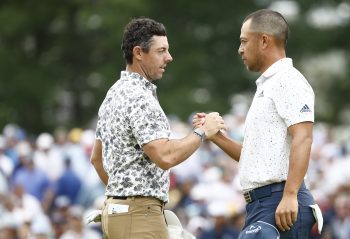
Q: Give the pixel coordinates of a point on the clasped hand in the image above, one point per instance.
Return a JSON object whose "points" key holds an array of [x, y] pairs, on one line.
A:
{"points": [[210, 123]]}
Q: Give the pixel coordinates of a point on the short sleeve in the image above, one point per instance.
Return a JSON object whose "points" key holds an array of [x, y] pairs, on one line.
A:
{"points": [[294, 99], [98, 130], [147, 120]]}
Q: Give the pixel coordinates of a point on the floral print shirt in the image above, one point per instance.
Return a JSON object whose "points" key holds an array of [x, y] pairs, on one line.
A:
{"points": [[129, 117]]}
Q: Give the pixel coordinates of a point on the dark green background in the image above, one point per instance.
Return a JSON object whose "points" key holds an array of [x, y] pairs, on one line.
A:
{"points": [[58, 58]]}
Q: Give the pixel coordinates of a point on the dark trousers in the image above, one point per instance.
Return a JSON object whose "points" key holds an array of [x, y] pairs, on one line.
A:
{"points": [[263, 209]]}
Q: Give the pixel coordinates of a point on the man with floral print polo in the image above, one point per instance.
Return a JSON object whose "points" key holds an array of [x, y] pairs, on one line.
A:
{"points": [[133, 153]]}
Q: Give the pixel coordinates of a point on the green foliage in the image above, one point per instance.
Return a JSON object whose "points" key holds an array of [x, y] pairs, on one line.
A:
{"points": [[58, 58]]}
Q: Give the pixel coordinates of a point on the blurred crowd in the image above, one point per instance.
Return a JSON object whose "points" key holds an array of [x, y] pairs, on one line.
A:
{"points": [[48, 186]]}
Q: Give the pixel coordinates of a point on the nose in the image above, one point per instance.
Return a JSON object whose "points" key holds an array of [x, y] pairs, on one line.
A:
{"points": [[240, 50], [169, 58]]}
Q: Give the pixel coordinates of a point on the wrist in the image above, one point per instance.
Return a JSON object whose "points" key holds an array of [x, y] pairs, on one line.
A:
{"points": [[290, 192], [200, 133]]}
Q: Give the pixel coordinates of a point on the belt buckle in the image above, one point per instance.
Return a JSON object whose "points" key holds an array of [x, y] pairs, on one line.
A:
{"points": [[247, 197]]}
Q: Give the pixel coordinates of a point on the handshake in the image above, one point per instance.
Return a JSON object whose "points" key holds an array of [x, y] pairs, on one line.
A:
{"points": [[210, 123]]}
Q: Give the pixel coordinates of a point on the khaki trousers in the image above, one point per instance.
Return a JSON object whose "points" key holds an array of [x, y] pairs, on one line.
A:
{"points": [[135, 218]]}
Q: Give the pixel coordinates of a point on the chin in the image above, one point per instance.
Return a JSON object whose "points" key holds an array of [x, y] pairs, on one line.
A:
{"points": [[158, 77], [155, 78], [252, 69]]}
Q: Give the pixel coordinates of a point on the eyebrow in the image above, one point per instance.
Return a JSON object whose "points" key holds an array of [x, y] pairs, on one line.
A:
{"points": [[162, 48]]}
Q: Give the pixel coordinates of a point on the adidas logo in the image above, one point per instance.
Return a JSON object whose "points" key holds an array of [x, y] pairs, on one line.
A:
{"points": [[261, 94], [305, 109]]}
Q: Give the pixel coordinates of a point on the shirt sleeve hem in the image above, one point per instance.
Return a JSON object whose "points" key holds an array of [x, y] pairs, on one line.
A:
{"points": [[154, 137]]}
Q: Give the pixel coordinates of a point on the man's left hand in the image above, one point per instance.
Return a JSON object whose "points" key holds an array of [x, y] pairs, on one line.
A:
{"points": [[287, 212]]}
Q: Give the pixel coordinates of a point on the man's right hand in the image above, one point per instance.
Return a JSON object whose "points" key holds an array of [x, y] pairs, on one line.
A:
{"points": [[219, 137], [211, 123], [198, 120]]}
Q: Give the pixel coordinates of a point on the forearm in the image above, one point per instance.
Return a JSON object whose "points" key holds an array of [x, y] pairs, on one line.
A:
{"points": [[101, 172], [229, 146], [298, 164], [183, 149], [167, 153]]}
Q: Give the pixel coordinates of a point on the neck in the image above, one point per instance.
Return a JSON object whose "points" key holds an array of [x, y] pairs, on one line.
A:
{"points": [[271, 58], [137, 69]]}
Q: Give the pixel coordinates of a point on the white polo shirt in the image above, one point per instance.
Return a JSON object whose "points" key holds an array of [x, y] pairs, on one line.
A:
{"points": [[283, 98]]}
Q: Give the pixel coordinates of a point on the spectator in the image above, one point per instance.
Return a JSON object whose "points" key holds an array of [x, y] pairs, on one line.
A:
{"points": [[47, 158], [34, 181], [68, 184], [339, 227], [221, 228], [27, 202], [6, 164], [77, 227]]}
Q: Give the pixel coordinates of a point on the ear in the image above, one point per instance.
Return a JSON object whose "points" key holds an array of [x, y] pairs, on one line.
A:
{"points": [[136, 51], [265, 41]]}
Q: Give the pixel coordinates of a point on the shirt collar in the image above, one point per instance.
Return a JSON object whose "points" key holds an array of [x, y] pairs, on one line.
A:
{"points": [[274, 68], [139, 79]]}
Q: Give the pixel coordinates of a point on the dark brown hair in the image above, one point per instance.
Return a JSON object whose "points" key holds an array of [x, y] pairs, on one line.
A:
{"points": [[139, 32]]}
